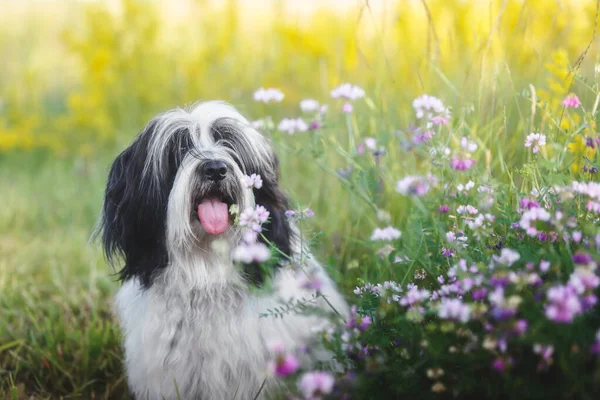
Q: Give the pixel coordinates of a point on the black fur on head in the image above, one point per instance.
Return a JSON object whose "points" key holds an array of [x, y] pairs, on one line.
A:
{"points": [[135, 207]]}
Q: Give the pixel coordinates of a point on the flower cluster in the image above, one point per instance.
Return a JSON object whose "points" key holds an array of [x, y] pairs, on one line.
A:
{"points": [[253, 181], [268, 95], [292, 125]]}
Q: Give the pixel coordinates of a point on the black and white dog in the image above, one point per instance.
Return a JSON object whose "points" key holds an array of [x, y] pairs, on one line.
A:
{"points": [[190, 317]]}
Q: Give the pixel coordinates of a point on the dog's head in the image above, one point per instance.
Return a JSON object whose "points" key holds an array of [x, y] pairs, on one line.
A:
{"points": [[169, 194]]}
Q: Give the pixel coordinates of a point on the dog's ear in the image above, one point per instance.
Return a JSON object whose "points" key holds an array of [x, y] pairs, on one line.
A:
{"points": [[277, 230], [135, 209]]}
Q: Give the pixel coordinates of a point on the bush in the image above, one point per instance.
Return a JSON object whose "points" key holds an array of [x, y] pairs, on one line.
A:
{"points": [[502, 298]]}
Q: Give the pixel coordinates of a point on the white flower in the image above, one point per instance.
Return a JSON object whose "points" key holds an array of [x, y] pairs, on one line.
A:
{"points": [[309, 105], [460, 187], [507, 257], [468, 209], [254, 217], [426, 105], [466, 144], [268, 95], [389, 233], [371, 143], [253, 181], [292, 125], [530, 216], [454, 309], [348, 92], [251, 252], [535, 140], [413, 185]]}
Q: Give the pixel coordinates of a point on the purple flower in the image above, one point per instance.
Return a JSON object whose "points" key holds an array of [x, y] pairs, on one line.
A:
{"points": [[499, 365], [520, 327], [443, 209], [447, 252], [253, 181], [290, 213], [479, 294], [413, 185], [285, 365], [347, 108], [308, 213], [315, 384], [315, 125], [582, 258], [563, 304]]}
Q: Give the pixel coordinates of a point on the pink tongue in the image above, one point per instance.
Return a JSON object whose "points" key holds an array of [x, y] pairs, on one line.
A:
{"points": [[214, 216]]}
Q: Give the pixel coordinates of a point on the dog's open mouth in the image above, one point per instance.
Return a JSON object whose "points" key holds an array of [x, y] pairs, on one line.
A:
{"points": [[213, 212]]}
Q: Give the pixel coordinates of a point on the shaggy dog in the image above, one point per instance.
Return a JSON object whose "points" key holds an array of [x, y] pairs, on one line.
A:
{"points": [[191, 317]]}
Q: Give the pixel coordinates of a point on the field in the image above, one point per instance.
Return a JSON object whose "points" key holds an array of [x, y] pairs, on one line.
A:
{"points": [[78, 80]]}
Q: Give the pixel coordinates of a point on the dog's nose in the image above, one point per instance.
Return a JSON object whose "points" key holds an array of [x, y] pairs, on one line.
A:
{"points": [[215, 170]]}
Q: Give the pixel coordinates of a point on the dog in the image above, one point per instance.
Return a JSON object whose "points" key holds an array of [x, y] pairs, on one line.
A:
{"points": [[192, 319]]}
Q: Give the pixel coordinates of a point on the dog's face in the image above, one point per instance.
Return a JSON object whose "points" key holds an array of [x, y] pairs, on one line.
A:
{"points": [[169, 194]]}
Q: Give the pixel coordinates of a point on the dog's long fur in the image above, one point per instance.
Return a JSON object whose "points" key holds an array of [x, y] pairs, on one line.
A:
{"points": [[190, 318]]}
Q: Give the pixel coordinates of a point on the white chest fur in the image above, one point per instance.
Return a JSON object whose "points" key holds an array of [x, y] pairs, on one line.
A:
{"points": [[208, 343]]}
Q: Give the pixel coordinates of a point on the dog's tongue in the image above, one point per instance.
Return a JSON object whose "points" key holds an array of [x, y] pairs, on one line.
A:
{"points": [[214, 216]]}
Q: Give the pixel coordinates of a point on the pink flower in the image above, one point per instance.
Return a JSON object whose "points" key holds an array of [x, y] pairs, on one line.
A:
{"points": [[462, 164], [413, 185], [254, 217], [571, 101], [347, 108], [284, 364], [315, 384], [455, 310], [536, 140], [439, 120]]}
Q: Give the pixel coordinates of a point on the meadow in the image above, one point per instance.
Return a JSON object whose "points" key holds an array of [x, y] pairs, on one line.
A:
{"points": [[78, 80]]}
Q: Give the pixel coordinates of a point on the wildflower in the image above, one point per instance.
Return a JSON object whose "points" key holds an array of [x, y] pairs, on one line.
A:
{"points": [[389, 233], [454, 309], [292, 125], [251, 252], [371, 143], [462, 164], [315, 125], [290, 213], [426, 106], [468, 209], [499, 365], [253, 181], [582, 258], [544, 266], [311, 281], [413, 185], [439, 120], [443, 209], [385, 251], [347, 108], [254, 218], [348, 92], [530, 216], [468, 186], [268, 95], [536, 140], [520, 327], [284, 364], [309, 105], [507, 257], [468, 145], [571, 101], [563, 304], [308, 213], [315, 384], [448, 253], [357, 321], [414, 296]]}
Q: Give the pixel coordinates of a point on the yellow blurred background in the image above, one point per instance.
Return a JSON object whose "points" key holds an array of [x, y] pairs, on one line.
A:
{"points": [[79, 75]]}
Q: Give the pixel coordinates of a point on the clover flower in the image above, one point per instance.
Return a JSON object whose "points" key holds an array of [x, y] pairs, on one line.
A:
{"points": [[413, 185], [313, 385], [428, 106], [348, 92], [507, 257], [309, 105], [563, 304], [254, 217], [253, 181], [292, 125], [571, 101], [388, 233], [535, 140], [455, 310], [284, 364], [248, 253], [268, 95], [529, 218]]}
